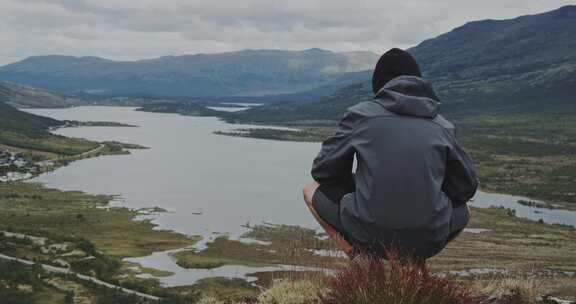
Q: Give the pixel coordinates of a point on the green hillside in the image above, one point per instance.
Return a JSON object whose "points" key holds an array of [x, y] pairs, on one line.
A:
{"points": [[23, 96], [30, 125], [521, 65], [185, 108], [29, 133]]}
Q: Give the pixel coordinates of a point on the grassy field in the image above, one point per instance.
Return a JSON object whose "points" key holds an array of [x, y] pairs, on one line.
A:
{"points": [[21, 284], [224, 289], [33, 155], [306, 135], [288, 245], [510, 242], [524, 155], [82, 232], [49, 144], [32, 209], [524, 248]]}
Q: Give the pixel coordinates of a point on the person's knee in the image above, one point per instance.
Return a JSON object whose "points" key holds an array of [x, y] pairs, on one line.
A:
{"points": [[309, 190]]}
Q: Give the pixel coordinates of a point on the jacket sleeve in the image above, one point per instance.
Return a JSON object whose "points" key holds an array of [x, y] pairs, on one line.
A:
{"points": [[334, 162], [460, 181]]}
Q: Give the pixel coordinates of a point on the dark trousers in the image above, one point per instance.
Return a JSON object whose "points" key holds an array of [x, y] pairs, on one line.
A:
{"points": [[326, 201]]}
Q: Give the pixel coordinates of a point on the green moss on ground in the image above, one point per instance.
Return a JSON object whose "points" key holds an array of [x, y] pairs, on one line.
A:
{"points": [[192, 260], [223, 289], [305, 135], [511, 243], [51, 143], [289, 245]]}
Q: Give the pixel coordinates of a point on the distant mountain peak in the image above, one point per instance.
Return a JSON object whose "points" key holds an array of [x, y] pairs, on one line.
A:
{"points": [[317, 50], [568, 8], [566, 11], [61, 58]]}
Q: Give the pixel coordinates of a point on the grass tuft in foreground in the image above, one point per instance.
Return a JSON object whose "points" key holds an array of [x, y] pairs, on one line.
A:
{"points": [[369, 280], [523, 290], [292, 292]]}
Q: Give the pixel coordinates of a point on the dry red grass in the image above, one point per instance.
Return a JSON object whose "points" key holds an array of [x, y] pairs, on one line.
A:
{"points": [[368, 280]]}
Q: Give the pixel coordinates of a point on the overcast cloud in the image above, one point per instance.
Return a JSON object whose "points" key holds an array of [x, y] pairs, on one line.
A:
{"points": [[134, 29]]}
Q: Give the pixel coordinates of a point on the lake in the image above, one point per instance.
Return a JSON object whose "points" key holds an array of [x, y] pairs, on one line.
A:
{"points": [[188, 169], [208, 183]]}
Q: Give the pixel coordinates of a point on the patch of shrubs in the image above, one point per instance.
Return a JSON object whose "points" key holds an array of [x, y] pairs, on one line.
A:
{"points": [[369, 280]]}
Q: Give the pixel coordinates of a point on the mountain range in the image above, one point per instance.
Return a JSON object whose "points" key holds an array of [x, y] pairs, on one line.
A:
{"points": [[243, 73], [527, 62], [521, 65]]}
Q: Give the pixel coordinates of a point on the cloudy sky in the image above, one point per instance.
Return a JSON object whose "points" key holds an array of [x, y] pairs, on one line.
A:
{"points": [[133, 29]]}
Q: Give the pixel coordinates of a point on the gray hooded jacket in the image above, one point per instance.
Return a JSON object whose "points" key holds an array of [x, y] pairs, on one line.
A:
{"points": [[411, 173]]}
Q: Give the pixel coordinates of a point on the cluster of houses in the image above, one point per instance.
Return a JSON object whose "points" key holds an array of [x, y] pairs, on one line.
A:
{"points": [[14, 167]]}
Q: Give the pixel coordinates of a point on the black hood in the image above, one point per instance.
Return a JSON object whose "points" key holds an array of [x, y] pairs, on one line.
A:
{"points": [[409, 95]]}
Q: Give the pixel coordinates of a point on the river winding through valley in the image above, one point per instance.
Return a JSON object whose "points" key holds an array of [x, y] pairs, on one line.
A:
{"points": [[208, 183]]}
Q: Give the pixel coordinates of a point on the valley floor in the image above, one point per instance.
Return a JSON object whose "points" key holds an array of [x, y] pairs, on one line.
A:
{"points": [[82, 232]]}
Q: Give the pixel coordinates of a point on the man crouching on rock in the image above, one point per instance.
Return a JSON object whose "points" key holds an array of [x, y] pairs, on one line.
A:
{"points": [[412, 180]]}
